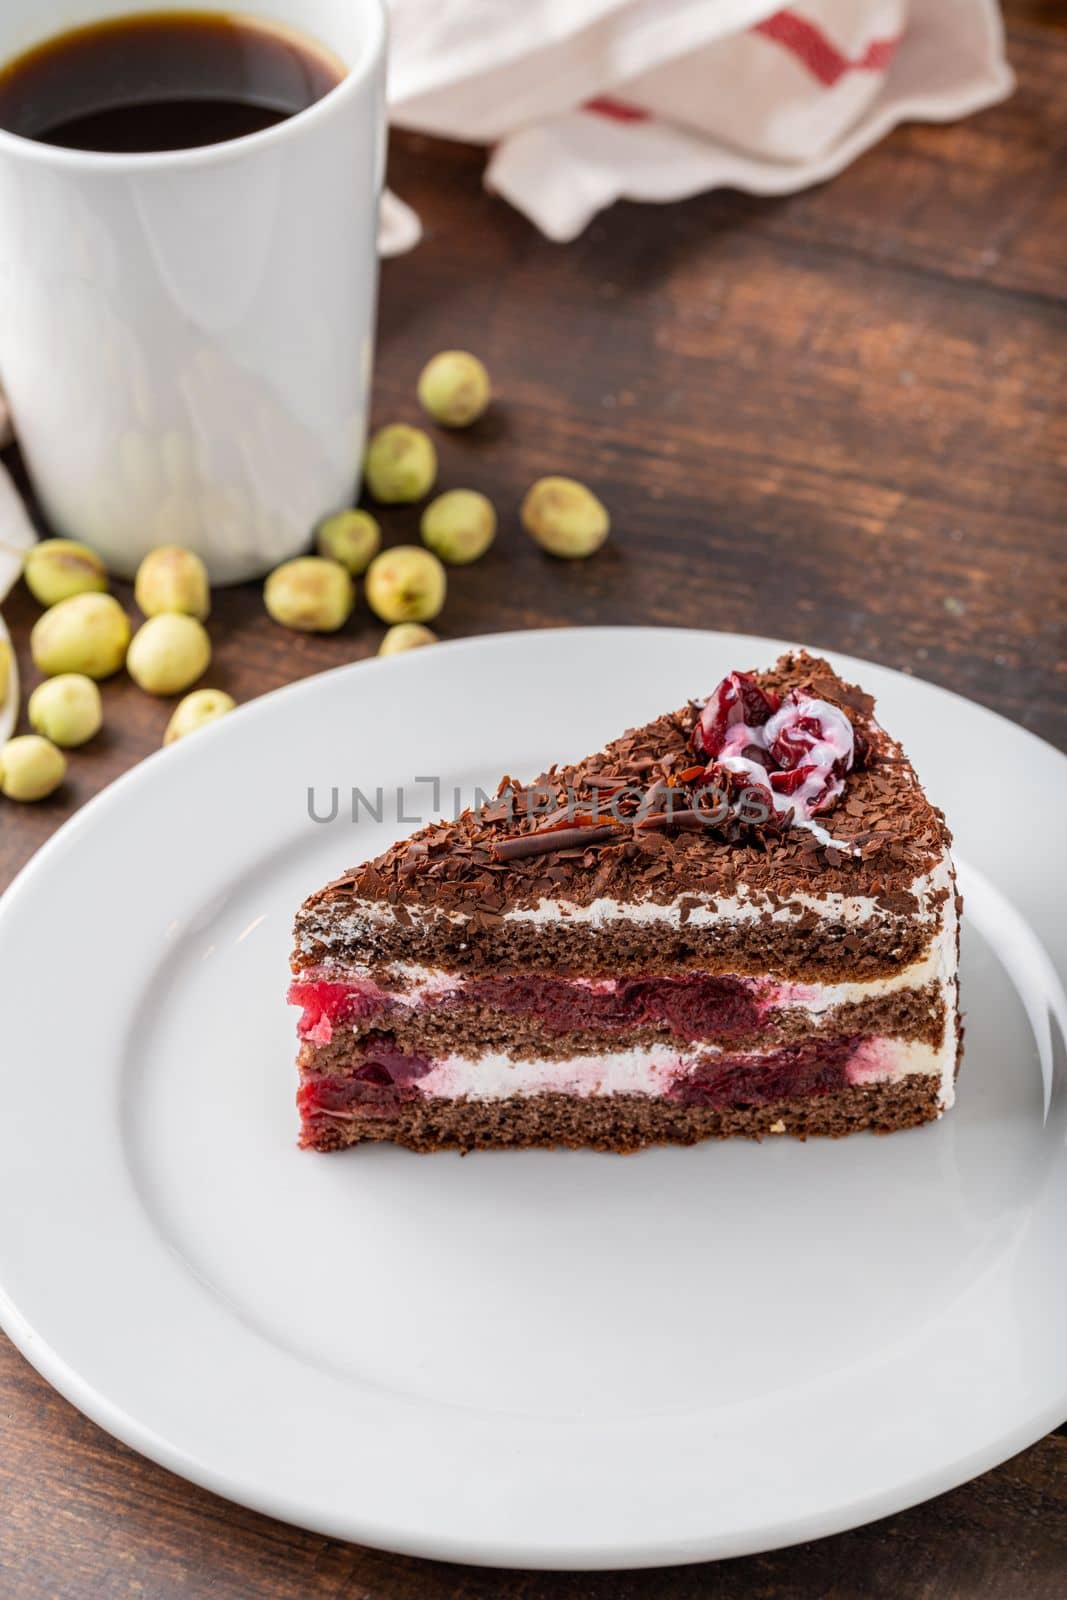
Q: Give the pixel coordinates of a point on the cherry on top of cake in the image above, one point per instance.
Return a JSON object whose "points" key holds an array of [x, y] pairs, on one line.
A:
{"points": [[780, 783]]}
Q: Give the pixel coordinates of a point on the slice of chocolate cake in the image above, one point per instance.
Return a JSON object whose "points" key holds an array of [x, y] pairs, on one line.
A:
{"points": [[739, 919]]}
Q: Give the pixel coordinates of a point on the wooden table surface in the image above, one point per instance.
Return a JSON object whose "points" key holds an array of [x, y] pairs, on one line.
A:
{"points": [[838, 416]]}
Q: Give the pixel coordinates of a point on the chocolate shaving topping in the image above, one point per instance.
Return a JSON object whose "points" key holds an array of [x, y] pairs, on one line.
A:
{"points": [[526, 845]]}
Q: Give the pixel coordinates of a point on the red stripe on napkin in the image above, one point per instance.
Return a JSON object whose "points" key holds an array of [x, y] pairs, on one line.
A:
{"points": [[818, 53], [617, 110]]}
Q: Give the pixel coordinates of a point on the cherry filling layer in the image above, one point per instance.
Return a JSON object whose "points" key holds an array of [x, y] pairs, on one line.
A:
{"points": [[326, 1004], [383, 1081], [696, 1007], [387, 1079], [791, 1073]]}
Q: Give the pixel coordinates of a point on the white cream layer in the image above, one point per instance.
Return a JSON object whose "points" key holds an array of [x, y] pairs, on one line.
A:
{"points": [[746, 906], [497, 1076]]}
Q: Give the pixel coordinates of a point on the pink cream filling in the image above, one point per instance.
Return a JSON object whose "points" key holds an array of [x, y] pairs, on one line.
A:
{"points": [[696, 1007]]}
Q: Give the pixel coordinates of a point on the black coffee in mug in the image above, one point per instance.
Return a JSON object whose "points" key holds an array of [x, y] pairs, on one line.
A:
{"points": [[163, 81]]}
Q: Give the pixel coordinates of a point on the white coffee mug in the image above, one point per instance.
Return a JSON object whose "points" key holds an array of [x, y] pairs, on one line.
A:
{"points": [[186, 338]]}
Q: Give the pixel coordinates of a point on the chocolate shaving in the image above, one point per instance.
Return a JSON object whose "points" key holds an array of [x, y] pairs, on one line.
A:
{"points": [[656, 797], [688, 820], [521, 845], [557, 821]]}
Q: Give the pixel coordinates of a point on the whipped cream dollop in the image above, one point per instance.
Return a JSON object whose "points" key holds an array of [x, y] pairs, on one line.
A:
{"points": [[794, 749]]}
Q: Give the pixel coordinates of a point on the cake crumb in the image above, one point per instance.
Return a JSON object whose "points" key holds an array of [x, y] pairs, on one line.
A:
{"points": [[777, 1127]]}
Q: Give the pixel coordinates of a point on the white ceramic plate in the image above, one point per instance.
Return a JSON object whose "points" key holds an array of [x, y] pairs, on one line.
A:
{"points": [[537, 1358]]}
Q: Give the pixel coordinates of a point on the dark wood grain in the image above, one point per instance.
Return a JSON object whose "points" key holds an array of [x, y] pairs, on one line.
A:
{"points": [[836, 417]]}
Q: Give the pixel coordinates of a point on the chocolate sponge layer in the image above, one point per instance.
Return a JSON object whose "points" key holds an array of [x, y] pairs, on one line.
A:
{"points": [[625, 1123], [824, 953]]}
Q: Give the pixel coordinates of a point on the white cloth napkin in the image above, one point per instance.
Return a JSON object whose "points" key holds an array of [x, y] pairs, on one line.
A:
{"points": [[585, 102]]}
